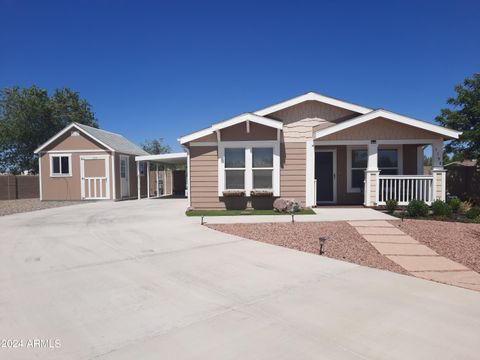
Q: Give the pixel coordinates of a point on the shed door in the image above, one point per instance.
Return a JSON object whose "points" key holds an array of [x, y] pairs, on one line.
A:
{"points": [[95, 177], [124, 176]]}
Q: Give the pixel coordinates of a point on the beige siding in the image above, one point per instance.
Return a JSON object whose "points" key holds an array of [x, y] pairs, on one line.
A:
{"points": [[239, 132], [80, 142], [69, 187], [299, 120], [204, 178], [293, 170], [381, 129]]}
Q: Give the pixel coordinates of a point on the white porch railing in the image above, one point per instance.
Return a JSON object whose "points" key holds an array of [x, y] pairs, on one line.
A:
{"points": [[405, 188]]}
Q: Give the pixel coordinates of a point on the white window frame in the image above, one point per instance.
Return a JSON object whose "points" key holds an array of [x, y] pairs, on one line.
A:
{"points": [[263, 168], [350, 148], [52, 174], [249, 145]]}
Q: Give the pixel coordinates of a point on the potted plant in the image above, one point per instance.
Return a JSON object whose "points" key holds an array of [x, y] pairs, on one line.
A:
{"points": [[233, 193]]}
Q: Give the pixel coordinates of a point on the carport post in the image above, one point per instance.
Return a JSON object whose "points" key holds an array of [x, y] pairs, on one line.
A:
{"points": [[158, 189], [138, 180], [148, 179]]}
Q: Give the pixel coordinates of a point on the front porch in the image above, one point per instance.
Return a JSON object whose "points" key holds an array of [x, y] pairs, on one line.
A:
{"points": [[371, 172]]}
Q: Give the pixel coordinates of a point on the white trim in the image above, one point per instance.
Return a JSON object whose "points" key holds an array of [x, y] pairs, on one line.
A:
{"points": [[380, 142], [248, 145], [230, 122], [399, 149], [138, 181], [310, 198], [65, 129], [114, 193], [74, 151], [147, 173], [189, 189], [204, 143], [51, 156], [334, 175], [160, 157], [105, 158], [315, 97], [40, 175], [390, 116]]}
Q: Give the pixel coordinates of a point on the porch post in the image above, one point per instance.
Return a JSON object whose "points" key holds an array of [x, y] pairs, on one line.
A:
{"points": [[438, 172], [371, 175], [138, 181], [147, 173], [156, 177]]}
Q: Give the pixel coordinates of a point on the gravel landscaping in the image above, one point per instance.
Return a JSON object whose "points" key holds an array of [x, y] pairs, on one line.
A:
{"points": [[459, 242], [343, 241], [8, 207]]}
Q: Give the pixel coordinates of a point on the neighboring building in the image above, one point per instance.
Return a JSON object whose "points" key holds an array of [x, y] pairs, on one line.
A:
{"points": [[317, 149], [463, 180], [86, 163]]}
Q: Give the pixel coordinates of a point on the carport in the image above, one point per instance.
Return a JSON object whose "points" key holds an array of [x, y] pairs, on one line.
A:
{"points": [[166, 160]]}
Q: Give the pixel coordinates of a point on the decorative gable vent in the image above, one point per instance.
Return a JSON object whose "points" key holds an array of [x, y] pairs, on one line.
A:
{"points": [[74, 133]]}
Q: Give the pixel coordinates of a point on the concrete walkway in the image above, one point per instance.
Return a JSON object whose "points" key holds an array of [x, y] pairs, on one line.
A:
{"points": [[321, 214], [418, 259]]}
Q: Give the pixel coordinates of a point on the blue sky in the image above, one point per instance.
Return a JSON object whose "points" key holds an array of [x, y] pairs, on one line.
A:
{"points": [[166, 68]]}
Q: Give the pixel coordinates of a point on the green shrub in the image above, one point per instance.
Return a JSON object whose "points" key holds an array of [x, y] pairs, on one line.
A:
{"points": [[473, 213], [440, 208], [417, 208], [391, 205], [454, 203]]}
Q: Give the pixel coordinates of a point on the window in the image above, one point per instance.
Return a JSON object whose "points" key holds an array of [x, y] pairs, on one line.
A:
{"points": [[142, 168], [359, 164], [262, 167], [388, 161], [60, 165], [388, 164], [235, 168], [249, 166]]}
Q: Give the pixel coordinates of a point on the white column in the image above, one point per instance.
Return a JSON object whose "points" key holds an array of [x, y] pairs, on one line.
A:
{"points": [[372, 157], [420, 160], [371, 175], [438, 172], [114, 191], [437, 155], [147, 173], [310, 174], [138, 181], [156, 177]]}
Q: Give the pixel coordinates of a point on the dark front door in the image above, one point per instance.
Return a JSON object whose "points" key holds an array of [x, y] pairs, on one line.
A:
{"points": [[324, 175]]}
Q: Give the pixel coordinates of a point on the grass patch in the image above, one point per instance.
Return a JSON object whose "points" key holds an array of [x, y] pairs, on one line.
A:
{"points": [[243, 212]]}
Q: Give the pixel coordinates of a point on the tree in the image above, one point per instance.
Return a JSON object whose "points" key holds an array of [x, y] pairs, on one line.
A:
{"points": [[156, 146], [465, 116], [29, 117]]}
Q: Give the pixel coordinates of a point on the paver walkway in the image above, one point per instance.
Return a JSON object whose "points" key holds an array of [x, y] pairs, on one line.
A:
{"points": [[418, 259]]}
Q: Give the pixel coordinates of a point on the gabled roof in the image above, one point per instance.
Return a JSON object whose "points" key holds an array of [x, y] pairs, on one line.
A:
{"points": [[230, 122], [111, 141], [313, 96], [448, 133]]}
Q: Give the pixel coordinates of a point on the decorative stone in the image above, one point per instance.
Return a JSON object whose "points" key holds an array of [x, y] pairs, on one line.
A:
{"points": [[286, 205]]}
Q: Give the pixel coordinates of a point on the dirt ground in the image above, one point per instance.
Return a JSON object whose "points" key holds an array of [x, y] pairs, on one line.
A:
{"points": [[8, 207], [457, 241], [343, 241]]}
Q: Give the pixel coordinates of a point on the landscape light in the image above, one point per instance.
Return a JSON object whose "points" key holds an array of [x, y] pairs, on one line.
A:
{"points": [[321, 241]]}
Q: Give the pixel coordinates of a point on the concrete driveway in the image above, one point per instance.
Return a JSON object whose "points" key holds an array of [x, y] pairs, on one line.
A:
{"points": [[137, 280]]}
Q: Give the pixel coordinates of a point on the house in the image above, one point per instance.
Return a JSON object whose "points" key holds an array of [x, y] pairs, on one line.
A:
{"points": [[86, 163], [317, 149]]}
